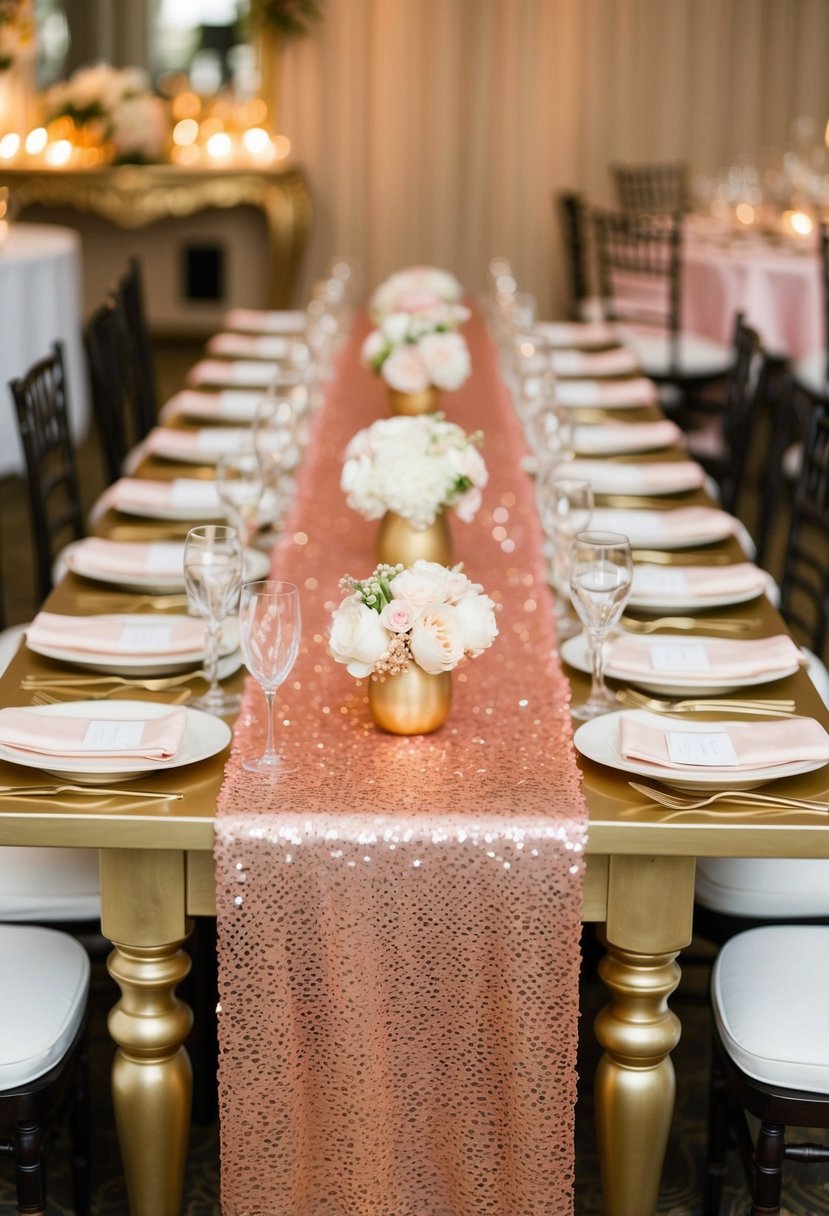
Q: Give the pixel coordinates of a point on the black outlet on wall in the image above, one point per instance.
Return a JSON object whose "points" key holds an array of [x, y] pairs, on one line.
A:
{"points": [[204, 272]]}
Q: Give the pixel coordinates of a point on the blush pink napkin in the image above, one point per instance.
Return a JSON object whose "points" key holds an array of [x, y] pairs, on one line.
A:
{"points": [[575, 335], [707, 580], [738, 659], [264, 321], [399, 918], [35, 733], [109, 557], [253, 373], [693, 525], [616, 437], [249, 346], [102, 634], [756, 744], [236, 406], [606, 395], [209, 443], [655, 477], [618, 362], [137, 493]]}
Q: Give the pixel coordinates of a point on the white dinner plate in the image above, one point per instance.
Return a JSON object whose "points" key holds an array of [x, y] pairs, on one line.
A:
{"points": [[119, 663], [600, 739], [655, 601], [204, 736], [576, 652], [651, 529], [158, 582]]}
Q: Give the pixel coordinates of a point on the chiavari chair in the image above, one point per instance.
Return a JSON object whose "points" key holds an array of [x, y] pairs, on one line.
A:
{"points": [[652, 189]]}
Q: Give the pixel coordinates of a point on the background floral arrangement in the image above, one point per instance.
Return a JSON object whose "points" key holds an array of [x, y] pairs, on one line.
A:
{"points": [[113, 105], [414, 467], [415, 289], [427, 615], [412, 351], [17, 32]]}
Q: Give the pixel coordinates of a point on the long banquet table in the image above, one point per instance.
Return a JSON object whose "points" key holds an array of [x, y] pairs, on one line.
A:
{"points": [[157, 870]]}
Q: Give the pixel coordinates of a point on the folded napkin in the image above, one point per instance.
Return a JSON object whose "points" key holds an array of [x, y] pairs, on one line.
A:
{"points": [[252, 372], [619, 394], [154, 636], [702, 660], [108, 558], [85, 738], [576, 335], [733, 746], [265, 321], [182, 493], [683, 582], [607, 438], [617, 362], [249, 346], [647, 477], [206, 444], [688, 525], [229, 406]]}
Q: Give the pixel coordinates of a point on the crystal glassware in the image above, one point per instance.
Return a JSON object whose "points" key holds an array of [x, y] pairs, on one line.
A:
{"points": [[565, 506], [240, 487], [212, 576], [270, 629], [601, 573]]}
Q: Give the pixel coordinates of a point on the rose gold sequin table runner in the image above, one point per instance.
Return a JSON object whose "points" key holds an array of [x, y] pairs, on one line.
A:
{"points": [[399, 918]]}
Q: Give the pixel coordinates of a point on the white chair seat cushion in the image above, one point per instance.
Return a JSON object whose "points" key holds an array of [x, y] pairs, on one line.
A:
{"points": [[9, 642], [769, 993], [764, 887], [817, 673], [810, 372], [49, 884], [45, 977], [591, 308], [695, 354]]}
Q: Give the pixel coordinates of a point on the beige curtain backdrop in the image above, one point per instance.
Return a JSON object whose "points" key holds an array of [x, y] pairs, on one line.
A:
{"points": [[439, 130]]}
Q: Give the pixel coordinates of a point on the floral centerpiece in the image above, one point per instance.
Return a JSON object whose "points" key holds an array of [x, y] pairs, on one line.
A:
{"points": [[416, 351], [114, 107], [415, 289], [407, 471], [408, 629]]}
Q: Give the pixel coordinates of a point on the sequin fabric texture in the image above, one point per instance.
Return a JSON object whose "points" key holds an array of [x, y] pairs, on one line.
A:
{"points": [[399, 917]]}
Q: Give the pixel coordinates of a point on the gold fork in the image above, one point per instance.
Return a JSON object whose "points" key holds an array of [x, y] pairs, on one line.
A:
{"points": [[151, 684], [675, 802], [89, 599], [721, 624], [682, 557], [42, 697], [772, 707], [50, 791]]}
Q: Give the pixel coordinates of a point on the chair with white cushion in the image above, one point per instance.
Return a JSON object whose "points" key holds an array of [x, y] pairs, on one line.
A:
{"points": [[45, 979], [769, 995]]}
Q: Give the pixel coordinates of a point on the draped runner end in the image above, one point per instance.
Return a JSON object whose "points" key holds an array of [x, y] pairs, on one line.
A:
{"points": [[399, 918]]}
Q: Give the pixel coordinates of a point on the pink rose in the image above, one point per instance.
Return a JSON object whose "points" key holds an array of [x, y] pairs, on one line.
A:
{"points": [[398, 616], [447, 361], [405, 371]]}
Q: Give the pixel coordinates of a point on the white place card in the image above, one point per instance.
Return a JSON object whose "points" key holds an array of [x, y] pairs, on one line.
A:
{"points": [[217, 440], [665, 582], [144, 639], [112, 736], [679, 656], [165, 559], [585, 392], [185, 493], [709, 750], [249, 371]]}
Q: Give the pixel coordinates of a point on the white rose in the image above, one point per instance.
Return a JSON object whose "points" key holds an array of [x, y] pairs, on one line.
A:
{"points": [[468, 462], [437, 641], [395, 327], [405, 371], [423, 584], [373, 349], [447, 361], [468, 505], [476, 613], [357, 637]]}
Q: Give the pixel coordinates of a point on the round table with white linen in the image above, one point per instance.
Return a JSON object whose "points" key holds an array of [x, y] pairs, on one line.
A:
{"points": [[40, 303]]}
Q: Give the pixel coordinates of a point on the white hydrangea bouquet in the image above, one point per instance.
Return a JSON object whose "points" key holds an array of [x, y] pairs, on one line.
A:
{"points": [[428, 615], [114, 105], [414, 467], [416, 289], [416, 350]]}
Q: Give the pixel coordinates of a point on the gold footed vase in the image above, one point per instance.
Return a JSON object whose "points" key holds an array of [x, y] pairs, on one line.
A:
{"points": [[425, 402], [397, 541], [411, 703]]}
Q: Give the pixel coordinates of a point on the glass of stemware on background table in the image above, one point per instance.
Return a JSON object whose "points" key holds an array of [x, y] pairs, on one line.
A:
{"points": [[240, 487], [601, 574], [270, 630], [213, 576], [565, 506]]}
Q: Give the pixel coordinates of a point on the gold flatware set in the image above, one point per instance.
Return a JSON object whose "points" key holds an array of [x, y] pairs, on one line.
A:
{"points": [[677, 802]]}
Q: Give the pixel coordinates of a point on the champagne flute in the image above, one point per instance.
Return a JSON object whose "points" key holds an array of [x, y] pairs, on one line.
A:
{"points": [[212, 576], [240, 487], [566, 507], [269, 628], [601, 573]]}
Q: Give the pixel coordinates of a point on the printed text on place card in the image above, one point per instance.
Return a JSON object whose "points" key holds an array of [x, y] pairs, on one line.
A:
{"points": [[679, 656], [112, 736], [714, 750]]}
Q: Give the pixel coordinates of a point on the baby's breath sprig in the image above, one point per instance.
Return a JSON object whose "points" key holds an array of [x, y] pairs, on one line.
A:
{"points": [[374, 591], [394, 661]]}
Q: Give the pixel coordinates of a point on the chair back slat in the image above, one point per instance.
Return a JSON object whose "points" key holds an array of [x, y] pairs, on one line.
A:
{"points": [[657, 189], [640, 269], [804, 592], [131, 296], [112, 384]]}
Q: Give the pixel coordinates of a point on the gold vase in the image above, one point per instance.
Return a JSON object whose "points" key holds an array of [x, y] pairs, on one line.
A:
{"points": [[412, 703], [398, 541], [425, 402]]}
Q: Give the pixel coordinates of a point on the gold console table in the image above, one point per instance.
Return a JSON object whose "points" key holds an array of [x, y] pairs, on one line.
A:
{"points": [[135, 196]]}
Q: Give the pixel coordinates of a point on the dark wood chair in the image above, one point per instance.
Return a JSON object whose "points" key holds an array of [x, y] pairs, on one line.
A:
{"points": [[40, 399], [804, 590], [130, 294], [811, 372], [656, 189], [115, 385], [574, 220], [768, 991]]}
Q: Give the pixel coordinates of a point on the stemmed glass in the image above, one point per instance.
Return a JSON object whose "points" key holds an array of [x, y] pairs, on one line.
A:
{"points": [[269, 628], [601, 573], [240, 487], [278, 435], [566, 506], [212, 576]]}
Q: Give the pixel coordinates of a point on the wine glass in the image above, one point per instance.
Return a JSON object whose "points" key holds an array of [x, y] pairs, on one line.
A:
{"points": [[269, 628], [601, 573], [240, 487], [212, 576], [565, 506]]}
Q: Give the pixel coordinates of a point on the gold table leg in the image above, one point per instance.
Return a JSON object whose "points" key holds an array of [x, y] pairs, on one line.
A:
{"points": [[142, 896], [649, 915]]}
